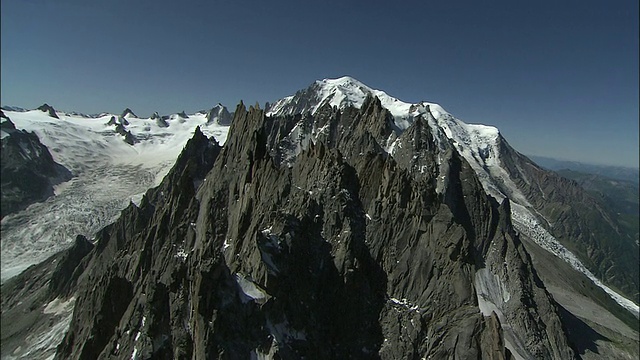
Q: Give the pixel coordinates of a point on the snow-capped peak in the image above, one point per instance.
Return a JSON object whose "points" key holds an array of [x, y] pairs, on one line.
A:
{"points": [[477, 143], [341, 92], [347, 91]]}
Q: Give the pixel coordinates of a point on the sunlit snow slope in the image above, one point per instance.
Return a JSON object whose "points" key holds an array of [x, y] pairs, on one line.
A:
{"points": [[108, 174]]}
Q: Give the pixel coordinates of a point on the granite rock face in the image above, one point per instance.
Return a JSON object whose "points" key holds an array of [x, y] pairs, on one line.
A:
{"points": [[127, 112], [332, 249], [28, 169]]}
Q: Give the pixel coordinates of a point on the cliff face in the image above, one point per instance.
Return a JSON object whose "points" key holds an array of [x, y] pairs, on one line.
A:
{"points": [[331, 249]]}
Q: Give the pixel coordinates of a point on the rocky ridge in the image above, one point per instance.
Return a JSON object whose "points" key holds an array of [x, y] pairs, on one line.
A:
{"points": [[579, 221]]}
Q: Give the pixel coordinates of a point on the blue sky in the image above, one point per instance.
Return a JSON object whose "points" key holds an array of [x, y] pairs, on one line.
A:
{"points": [[559, 78]]}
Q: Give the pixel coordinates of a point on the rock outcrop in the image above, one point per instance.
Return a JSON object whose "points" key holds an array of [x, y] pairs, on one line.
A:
{"points": [[128, 113], [49, 110], [160, 120], [127, 136]]}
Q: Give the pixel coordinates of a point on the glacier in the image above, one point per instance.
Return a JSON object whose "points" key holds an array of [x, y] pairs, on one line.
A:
{"points": [[108, 175]]}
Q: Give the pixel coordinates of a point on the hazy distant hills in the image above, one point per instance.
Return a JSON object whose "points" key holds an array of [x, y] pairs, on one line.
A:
{"points": [[614, 172]]}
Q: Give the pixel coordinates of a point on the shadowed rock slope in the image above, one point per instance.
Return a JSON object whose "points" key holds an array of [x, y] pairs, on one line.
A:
{"points": [[332, 251]]}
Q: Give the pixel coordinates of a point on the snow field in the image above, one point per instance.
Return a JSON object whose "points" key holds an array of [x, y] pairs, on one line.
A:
{"points": [[108, 175]]}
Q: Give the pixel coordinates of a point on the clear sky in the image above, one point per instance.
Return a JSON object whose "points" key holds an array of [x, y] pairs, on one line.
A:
{"points": [[559, 78]]}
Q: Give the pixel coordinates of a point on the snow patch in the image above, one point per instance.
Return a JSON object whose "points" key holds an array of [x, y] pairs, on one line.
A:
{"points": [[181, 255], [492, 294], [270, 245], [43, 343], [59, 307], [404, 303], [250, 290], [267, 231]]}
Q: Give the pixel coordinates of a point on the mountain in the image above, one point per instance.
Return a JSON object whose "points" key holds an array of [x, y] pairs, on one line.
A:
{"points": [[623, 196], [13, 108], [46, 108], [339, 223], [29, 172], [582, 232]]}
